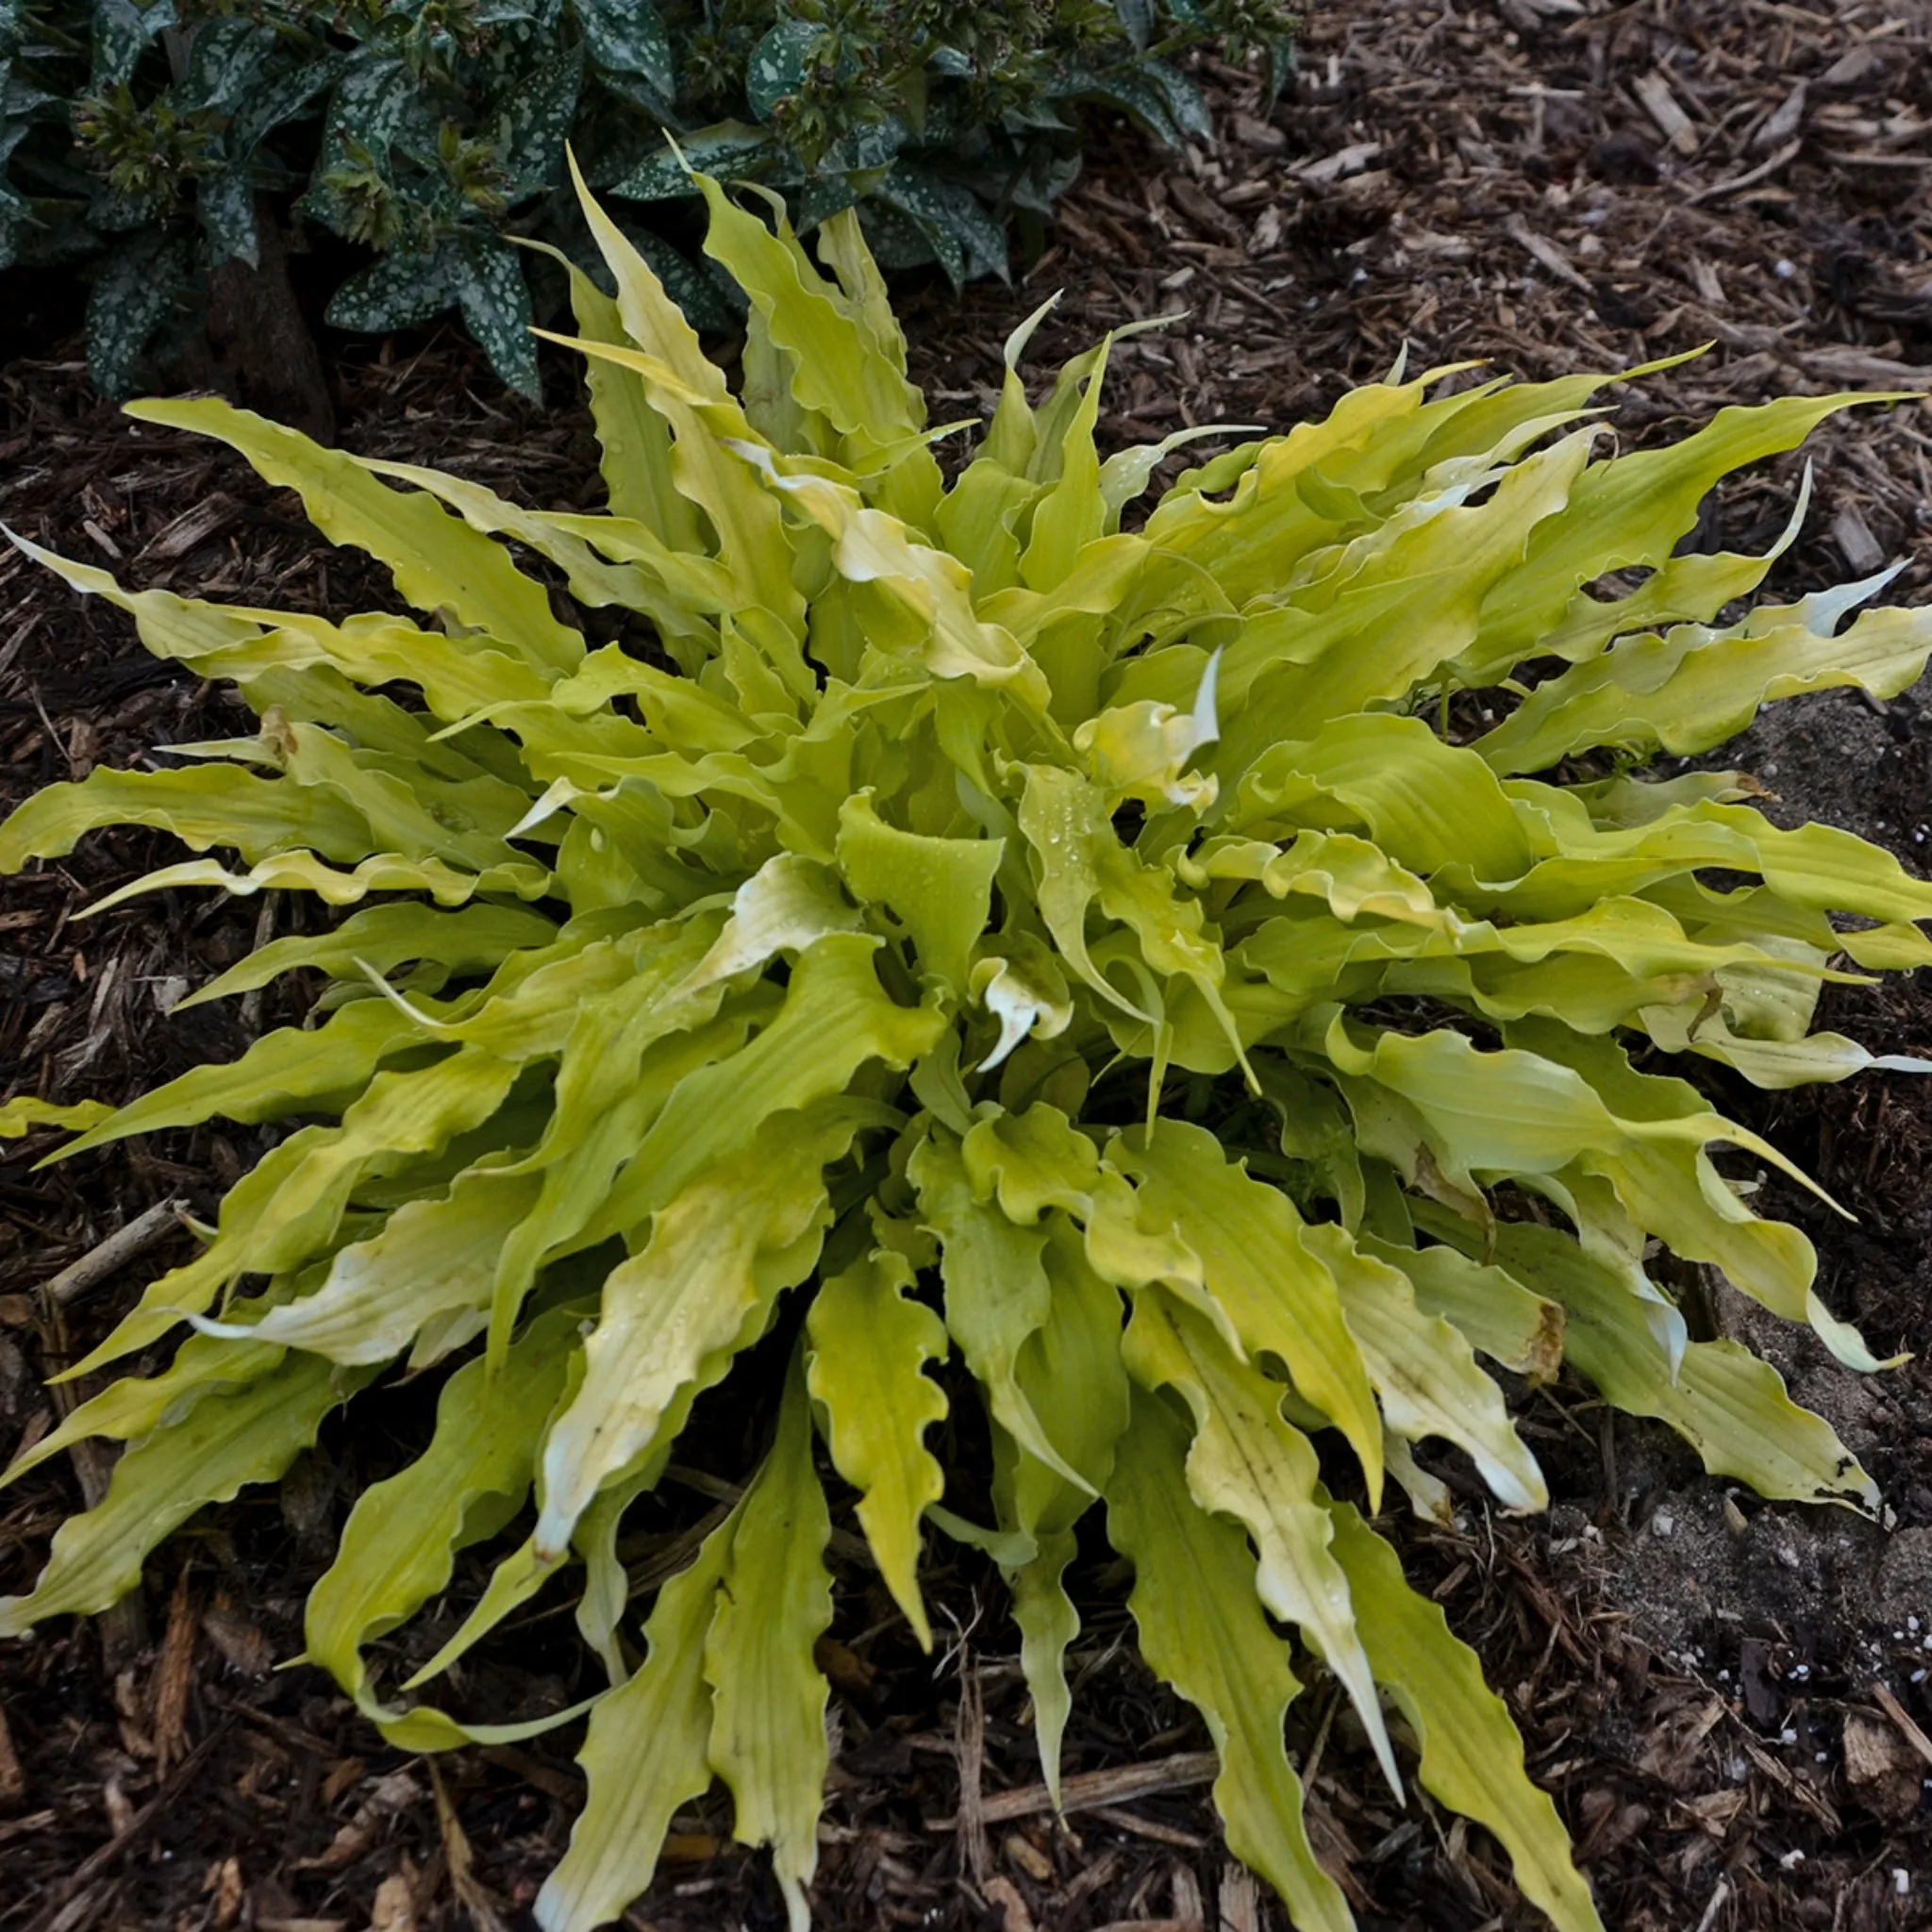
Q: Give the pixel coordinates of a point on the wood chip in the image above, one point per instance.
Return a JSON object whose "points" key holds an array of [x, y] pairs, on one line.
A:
{"points": [[1022, 1852], [174, 1677], [1900, 1716], [1187, 1910], [1014, 1915], [1346, 161], [1881, 1768], [1151, 1829], [1548, 254], [191, 529], [1853, 69], [1240, 1900], [1787, 118], [971, 1817], [13, 1778], [1661, 104], [224, 1886], [1862, 552]]}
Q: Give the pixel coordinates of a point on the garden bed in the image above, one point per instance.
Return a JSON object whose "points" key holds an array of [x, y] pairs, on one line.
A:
{"points": [[1721, 1695]]}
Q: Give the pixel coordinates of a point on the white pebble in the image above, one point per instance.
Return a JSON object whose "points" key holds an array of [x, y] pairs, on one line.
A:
{"points": [[1783, 269], [1901, 1881], [1661, 1524]]}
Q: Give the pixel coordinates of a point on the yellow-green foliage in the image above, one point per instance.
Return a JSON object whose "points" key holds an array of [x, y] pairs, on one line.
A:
{"points": [[874, 957]]}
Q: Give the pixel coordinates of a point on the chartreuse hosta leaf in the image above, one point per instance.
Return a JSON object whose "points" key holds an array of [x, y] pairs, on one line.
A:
{"points": [[975, 947]]}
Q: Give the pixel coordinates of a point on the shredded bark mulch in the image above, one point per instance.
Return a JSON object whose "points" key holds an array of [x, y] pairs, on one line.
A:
{"points": [[1728, 1700]]}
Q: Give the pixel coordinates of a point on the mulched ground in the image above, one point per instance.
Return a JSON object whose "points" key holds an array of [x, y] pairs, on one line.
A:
{"points": [[1728, 1701]]}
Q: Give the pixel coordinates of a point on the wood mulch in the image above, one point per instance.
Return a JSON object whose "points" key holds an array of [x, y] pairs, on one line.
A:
{"points": [[1728, 1701]]}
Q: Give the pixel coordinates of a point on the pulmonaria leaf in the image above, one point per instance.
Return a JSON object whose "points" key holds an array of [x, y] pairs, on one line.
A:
{"points": [[776, 67], [628, 37], [398, 291], [486, 279], [135, 290]]}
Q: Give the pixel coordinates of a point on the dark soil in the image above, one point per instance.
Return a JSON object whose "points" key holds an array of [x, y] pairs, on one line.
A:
{"points": [[1728, 1700]]}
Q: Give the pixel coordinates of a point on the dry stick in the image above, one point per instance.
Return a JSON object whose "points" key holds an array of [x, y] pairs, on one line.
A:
{"points": [[108, 1258], [1092, 1789], [123, 1624], [1718, 1899], [1763, 172]]}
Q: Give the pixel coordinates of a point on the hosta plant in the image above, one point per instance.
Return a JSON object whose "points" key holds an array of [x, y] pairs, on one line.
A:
{"points": [[1139, 968]]}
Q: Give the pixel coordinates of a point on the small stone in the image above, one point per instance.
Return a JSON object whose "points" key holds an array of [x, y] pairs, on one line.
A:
{"points": [[1661, 1524]]}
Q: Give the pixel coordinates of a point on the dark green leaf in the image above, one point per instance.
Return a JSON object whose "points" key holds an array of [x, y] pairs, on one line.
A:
{"points": [[224, 59], [121, 31], [133, 292], [965, 240], [369, 103], [13, 217], [258, 114], [1137, 16], [226, 204], [823, 196], [731, 151], [540, 113], [395, 292], [628, 37], [1281, 67], [778, 64], [495, 301], [1162, 100]]}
